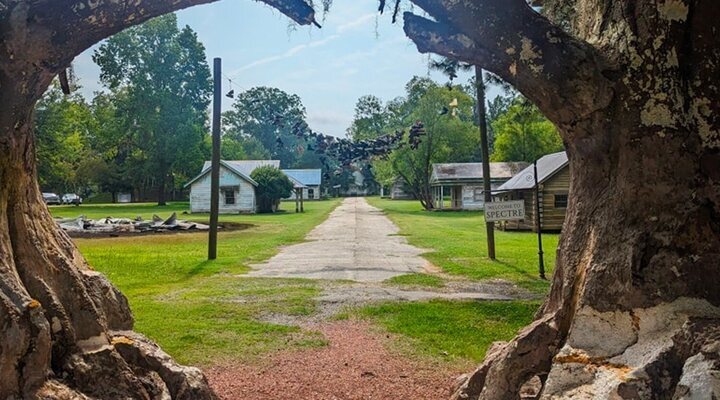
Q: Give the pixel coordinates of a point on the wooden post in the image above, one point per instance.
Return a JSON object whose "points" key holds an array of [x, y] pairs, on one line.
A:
{"points": [[485, 151], [297, 201], [215, 167], [442, 196], [302, 206], [538, 223]]}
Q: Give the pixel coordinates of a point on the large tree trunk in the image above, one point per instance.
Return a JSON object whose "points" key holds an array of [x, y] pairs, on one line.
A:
{"points": [[64, 328], [162, 179], [65, 331], [634, 309]]}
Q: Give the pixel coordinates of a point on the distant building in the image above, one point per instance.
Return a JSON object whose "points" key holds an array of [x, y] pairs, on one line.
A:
{"points": [[400, 190], [309, 179], [358, 186], [554, 181], [237, 188], [459, 186]]}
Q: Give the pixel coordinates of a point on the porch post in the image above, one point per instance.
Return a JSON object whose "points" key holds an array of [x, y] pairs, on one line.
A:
{"points": [[442, 197], [302, 194]]}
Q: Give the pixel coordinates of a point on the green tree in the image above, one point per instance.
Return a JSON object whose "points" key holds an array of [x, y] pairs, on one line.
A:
{"points": [[267, 115], [371, 119], [114, 165], [524, 134], [273, 186], [165, 81], [64, 124], [383, 172], [448, 138]]}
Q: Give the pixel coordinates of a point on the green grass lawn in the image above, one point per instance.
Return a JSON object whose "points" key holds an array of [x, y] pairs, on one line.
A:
{"points": [[417, 280], [459, 245], [204, 312], [452, 330]]}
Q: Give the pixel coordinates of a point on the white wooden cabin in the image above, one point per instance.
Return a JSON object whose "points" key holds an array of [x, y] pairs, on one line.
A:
{"points": [[460, 186], [237, 188], [309, 181]]}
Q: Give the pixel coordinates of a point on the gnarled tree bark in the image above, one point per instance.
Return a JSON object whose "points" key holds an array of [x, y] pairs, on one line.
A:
{"points": [[634, 88], [66, 331]]}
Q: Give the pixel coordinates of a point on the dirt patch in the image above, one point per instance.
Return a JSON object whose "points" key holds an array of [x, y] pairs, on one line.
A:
{"points": [[355, 365], [222, 227], [339, 297]]}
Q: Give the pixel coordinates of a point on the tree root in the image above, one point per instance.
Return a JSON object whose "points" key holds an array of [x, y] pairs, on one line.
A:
{"points": [[508, 366]]}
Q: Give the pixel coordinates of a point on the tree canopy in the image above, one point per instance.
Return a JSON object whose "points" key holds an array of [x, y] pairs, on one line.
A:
{"points": [[160, 77], [522, 133], [266, 116], [273, 186]]}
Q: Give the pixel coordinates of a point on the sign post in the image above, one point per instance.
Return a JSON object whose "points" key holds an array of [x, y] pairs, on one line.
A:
{"points": [[215, 167], [484, 149], [538, 225], [505, 211]]}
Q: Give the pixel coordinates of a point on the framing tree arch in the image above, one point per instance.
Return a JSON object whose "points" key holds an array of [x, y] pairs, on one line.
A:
{"points": [[633, 88]]}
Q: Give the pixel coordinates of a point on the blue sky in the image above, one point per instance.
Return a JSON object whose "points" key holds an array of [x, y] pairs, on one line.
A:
{"points": [[356, 52]]}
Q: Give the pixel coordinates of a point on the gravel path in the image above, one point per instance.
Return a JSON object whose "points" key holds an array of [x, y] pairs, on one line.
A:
{"points": [[357, 242], [353, 252], [355, 366]]}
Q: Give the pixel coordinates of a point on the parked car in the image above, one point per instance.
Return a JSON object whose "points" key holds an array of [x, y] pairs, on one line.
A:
{"points": [[51, 198], [71, 198]]}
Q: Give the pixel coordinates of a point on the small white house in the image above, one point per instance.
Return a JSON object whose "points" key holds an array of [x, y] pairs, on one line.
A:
{"points": [[460, 186], [237, 188], [309, 180]]}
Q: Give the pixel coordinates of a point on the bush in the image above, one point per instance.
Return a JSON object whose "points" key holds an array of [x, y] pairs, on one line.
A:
{"points": [[273, 185]]}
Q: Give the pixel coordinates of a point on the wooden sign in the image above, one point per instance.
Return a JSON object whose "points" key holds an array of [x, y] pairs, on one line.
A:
{"points": [[505, 211]]}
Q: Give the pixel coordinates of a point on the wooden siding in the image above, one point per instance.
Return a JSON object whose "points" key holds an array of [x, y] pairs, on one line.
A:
{"points": [[469, 202], [466, 193], [552, 218], [244, 194], [558, 184], [306, 196], [397, 192]]}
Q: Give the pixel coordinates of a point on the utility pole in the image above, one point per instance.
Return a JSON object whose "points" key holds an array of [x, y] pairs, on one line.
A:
{"points": [[215, 167], [538, 225], [485, 150]]}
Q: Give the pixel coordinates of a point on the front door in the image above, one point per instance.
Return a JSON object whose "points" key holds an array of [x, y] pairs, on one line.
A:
{"points": [[457, 197]]}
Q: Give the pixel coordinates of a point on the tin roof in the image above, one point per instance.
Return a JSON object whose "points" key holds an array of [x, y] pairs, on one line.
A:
{"points": [[241, 167], [246, 167], [547, 166], [308, 177], [473, 171]]}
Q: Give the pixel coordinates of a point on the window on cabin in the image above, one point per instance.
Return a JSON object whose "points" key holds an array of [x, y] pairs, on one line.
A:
{"points": [[478, 194], [229, 196], [311, 193], [561, 200]]}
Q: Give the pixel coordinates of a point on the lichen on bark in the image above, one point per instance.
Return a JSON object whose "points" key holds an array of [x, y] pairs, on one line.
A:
{"points": [[631, 87]]}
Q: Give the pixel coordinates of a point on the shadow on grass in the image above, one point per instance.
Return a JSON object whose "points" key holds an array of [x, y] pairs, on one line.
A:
{"points": [[519, 270], [197, 269]]}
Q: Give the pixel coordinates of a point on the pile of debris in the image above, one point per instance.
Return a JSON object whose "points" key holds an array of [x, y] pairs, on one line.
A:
{"points": [[109, 225]]}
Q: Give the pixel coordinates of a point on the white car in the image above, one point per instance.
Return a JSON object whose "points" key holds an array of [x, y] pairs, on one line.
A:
{"points": [[51, 198], [71, 198]]}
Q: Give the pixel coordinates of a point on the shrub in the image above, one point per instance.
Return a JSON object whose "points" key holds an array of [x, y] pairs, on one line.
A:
{"points": [[273, 185]]}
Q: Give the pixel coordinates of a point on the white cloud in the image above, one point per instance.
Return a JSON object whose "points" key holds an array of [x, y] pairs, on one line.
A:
{"points": [[342, 28], [287, 54], [356, 23], [329, 122]]}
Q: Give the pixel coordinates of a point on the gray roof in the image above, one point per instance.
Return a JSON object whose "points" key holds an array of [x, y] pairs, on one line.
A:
{"points": [[308, 177], [246, 167], [242, 168], [473, 171], [547, 166]]}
